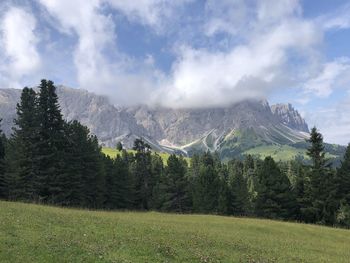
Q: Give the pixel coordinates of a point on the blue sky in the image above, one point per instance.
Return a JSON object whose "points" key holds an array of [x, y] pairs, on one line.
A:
{"points": [[187, 53]]}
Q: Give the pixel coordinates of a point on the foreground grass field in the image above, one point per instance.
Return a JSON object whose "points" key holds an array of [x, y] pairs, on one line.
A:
{"points": [[33, 233]]}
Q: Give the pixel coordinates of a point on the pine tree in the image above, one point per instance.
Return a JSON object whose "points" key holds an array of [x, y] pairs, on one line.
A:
{"points": [[250, 172], [3, 184], [175, 191], [205, 183], [71, 179], [275, 198], [343, 178], [343, 190], [93, 175], [22, 167], [322, 182], [51, 143], [316, 150], [301, 190], [224, 191], [142, 174], [239, 196], [119, 146], [118, 184]]}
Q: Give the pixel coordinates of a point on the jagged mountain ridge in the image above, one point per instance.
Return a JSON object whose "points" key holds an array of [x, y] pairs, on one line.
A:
{"points": [[229, 130]]}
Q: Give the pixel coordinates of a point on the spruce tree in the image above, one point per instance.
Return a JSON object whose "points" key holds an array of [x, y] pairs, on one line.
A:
{"points": [[176, 192], [322, 182], [51, 143], [343, 190], [275, 198], [239, 196], [22, 162], [142, 174], [118, 187], [94, 175], [224, 191], [3, 184], [343, 178], [206, 181], [119, 146]]}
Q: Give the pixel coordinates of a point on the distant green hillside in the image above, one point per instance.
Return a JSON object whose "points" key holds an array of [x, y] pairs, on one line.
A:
{"points": [[281, 144], [284, 152], [34, 233]]}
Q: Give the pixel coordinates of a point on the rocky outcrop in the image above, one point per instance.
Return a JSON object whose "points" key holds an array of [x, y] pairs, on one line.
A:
{"points": [[289, 116], [246, 124]]}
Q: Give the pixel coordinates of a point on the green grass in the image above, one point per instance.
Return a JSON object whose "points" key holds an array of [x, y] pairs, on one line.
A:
{"points": [[34, 233], [280, 153], [114, 152]]}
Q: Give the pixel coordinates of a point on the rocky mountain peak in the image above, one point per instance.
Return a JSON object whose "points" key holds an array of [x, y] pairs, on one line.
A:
{"points": [[289, 116], [229, 130]]}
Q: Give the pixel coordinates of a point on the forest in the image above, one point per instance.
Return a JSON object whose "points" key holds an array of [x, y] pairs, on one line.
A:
{"points": [[52, 161]]}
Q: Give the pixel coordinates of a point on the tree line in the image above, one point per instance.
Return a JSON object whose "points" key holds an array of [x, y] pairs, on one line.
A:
{"points": [[49, 160]]}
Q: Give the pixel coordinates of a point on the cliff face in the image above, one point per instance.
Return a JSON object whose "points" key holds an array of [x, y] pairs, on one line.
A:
{"points": [[289, 116], [242, 125]]}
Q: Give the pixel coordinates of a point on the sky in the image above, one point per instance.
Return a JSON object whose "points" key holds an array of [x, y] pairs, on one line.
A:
{"points": [[187, 53]]}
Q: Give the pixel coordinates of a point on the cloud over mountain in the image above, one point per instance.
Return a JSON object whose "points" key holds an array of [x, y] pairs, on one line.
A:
{"points": [[186, 53]]}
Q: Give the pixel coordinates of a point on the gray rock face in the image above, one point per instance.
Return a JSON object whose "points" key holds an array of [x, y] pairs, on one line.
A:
{"points": [[169, 129], [109, 123], [183, 126], [289, 116], [8, 102]]}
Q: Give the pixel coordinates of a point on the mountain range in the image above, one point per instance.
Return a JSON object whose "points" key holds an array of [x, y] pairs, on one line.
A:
{"points": [[251, 126]]}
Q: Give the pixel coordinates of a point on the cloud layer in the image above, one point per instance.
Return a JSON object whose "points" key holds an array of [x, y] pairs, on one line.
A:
{"points": [[19, 45], [221, 52]]}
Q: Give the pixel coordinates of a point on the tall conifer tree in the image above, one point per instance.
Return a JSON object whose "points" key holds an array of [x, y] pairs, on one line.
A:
{"points": [[22, 162]]}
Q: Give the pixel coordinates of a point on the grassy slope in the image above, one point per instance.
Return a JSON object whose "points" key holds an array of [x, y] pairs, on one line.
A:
{"points": [[113, 153], [280, 153], [33, 233]]}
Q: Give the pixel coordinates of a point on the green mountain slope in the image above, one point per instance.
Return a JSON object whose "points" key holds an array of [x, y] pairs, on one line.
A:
{"points": [[33, 233], [279, 142]]}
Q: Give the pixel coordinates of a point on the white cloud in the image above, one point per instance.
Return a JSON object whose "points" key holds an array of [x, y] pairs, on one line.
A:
{"points": [[149, 12], [123, 79], [339, 19], [95, 32], [203, 78], [19, 43], [333, 75], [333, 121], [272, 11], [271, 36], [228, 16]]}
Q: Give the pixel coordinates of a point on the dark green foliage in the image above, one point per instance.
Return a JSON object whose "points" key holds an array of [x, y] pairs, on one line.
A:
{"points": [[275, 198], [22, 149], [83, 177], [50, 160], [224, 204], [343, 178], [316, 150], [239, 196], [3, 184], [322, 183], [175, 188], [119, 146], [51, 144], [206, 182], [141, 169]]}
